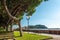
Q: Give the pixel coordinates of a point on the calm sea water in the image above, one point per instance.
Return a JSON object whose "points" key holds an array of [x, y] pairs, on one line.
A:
{"points": [[47, 29]]}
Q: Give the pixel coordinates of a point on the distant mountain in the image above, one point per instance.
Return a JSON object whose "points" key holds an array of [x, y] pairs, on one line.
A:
{"points": [[37, 27]]}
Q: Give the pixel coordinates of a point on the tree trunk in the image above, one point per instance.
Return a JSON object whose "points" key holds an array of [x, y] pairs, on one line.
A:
{"points": [[6, 27], [7, 10], [14, 18], [11, 27], [20, 28]]}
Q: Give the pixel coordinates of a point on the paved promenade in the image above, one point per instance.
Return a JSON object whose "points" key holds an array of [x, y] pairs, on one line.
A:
{"points": [[55, 37]]}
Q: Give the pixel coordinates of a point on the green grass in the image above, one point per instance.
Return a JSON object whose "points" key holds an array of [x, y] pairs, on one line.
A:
{"points": [[27, 36]]}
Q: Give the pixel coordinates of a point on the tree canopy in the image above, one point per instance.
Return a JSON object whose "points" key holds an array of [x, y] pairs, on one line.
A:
{"points": [[17, 8]]}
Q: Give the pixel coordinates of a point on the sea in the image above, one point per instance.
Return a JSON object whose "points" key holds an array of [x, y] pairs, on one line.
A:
{"points": [[47, 29]]}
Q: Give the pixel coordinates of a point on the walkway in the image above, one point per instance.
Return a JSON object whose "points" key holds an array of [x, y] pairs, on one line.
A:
{"points": [[55, 37]]}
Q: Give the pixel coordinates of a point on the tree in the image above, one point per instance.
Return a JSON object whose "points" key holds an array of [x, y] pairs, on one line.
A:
{"points": [[15, 9]]}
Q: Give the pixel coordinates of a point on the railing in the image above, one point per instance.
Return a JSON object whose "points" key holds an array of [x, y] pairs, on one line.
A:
{"points": [[45, 31]]}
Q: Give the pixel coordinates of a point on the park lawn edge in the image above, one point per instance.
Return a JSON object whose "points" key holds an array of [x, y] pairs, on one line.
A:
{"points": [[29, 36]]}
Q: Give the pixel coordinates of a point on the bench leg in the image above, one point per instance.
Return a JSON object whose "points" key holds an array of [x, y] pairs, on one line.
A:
{"points": [[13, 39], [5, 39]]}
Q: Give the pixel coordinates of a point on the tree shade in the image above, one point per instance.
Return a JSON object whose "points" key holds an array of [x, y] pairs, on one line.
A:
{"points": [[12, 11], [17, 8]]}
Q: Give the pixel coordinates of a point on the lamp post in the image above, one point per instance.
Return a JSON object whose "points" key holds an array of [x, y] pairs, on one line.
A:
{"points": [[28, 18]]}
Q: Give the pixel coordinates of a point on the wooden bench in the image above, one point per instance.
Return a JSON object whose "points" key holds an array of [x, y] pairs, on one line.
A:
{"points": [[6, 36]]}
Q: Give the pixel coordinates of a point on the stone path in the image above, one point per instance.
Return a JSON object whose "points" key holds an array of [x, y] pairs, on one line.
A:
{"points": [[55, 37]]}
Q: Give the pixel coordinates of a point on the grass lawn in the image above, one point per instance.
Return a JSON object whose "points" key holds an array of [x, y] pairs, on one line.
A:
{"points": [[27, 36]]}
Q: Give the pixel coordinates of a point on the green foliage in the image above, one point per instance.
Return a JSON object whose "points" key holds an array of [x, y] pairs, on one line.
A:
{"points": [[3, 16], [1, 29], [45, 0], [29, 13], [28, 5], [32, 5], [17, 8]]}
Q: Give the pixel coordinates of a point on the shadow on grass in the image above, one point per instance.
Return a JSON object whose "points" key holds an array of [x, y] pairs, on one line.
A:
{"points": [[47, 38], [17, 36]]}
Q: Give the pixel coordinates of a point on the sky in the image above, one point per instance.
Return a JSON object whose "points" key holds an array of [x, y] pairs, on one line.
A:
{"points": [[47, 13]]}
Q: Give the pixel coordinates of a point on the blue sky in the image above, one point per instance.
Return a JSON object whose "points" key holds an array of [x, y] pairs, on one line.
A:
{"points": [[47, 13]]}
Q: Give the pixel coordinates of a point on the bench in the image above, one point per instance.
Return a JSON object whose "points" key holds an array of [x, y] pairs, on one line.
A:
{"points": [[6, 36]]}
